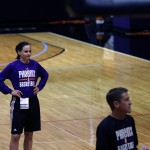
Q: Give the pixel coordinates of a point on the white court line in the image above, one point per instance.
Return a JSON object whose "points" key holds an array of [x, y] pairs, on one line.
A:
{"points": [[71, 134], [62, 141], [91, 129], [43, 51], [36, 55], [99, 47], [73, 67]]}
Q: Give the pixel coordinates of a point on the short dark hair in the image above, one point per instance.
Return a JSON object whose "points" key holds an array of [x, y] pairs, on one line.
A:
{"points": [[19, 47], [115, 94]]}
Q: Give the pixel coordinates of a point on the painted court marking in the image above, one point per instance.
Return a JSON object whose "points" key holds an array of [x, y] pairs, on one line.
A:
{"points": [[36, 55]]}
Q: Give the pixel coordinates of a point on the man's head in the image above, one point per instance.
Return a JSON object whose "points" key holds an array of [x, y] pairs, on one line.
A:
{"points": [[118, 98]]}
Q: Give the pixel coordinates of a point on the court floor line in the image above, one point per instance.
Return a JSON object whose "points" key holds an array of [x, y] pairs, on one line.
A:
{"points": [[80, 139], [36, 55], [73, 67]]}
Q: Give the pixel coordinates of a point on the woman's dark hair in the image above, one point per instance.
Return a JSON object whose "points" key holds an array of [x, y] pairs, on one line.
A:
{"points": [[19, 47], [115, 94]]}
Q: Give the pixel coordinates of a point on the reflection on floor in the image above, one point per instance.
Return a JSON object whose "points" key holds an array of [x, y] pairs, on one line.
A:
{"points": [[100, 31]]}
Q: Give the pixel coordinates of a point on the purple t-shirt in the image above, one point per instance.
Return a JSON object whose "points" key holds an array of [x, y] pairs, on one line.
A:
{"points": [[23, 77]]}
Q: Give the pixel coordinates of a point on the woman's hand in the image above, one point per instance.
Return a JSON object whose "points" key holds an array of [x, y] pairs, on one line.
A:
{"points": [[16, 93], [36, 90]]}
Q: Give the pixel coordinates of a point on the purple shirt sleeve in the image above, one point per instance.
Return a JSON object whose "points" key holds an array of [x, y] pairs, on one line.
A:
{"points": [[43, 75], [3, 76]]}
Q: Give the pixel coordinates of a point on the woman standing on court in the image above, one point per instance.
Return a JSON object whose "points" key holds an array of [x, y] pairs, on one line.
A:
{"points": [[25, 110]]}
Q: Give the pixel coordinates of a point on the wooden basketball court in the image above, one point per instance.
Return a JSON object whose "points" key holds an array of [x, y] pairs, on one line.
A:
{"points": [[73, 101]]}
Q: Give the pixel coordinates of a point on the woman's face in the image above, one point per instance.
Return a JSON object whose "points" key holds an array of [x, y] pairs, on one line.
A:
{"points": [[25, 53]]}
